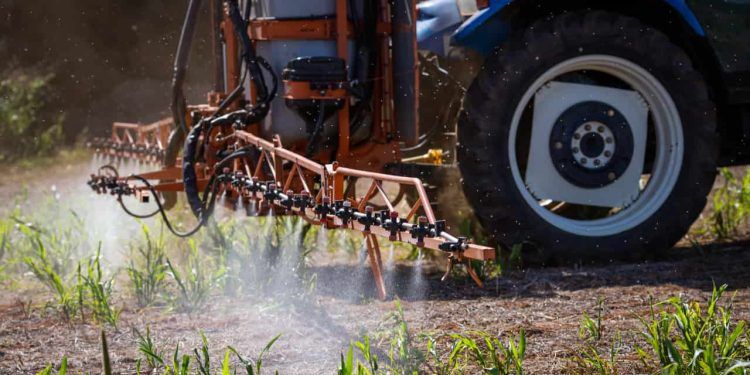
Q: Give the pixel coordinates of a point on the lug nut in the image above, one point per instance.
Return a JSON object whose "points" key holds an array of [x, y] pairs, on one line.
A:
{"points": [[584, 160], [577, 136], [597, 162], [600, 129], [608, 140], [575, 150], [587, 127], [608, 154]]}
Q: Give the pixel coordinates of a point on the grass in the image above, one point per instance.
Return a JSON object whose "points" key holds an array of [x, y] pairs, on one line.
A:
{"points": [[684, 337]]}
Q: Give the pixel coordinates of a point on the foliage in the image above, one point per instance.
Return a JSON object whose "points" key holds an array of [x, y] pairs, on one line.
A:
{"points": [[687, 338], [62, 369], [95, 292], [40, 264], [180, 364], [148, 273], [194, 282], [494, 356], [27, 126], [589, 357], [468, 350], [731, 205]]}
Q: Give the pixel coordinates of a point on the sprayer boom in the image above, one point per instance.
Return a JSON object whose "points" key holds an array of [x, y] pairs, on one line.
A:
{"points": [[264, 178]]}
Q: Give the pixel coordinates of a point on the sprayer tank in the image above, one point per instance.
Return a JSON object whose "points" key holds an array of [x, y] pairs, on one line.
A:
{"points": [[282, 120]]}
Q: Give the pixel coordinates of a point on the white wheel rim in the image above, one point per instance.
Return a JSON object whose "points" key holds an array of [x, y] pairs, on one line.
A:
{"points": [[667, 160]]}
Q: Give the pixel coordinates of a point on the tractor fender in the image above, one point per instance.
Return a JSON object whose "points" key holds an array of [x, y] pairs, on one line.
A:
{"points": [[486, 29]]}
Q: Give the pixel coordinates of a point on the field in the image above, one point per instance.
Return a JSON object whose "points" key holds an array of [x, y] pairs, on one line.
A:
{"points": [[73, 267]]}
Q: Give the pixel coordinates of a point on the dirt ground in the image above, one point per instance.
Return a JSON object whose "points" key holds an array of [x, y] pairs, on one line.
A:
{"points": [[546, 302]]}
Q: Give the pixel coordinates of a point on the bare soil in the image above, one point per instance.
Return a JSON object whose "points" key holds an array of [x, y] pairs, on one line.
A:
{"points": [[546, 302]]}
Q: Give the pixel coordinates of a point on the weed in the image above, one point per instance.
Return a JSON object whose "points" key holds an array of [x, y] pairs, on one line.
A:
{"points": [[148, 275], [686, 338]]}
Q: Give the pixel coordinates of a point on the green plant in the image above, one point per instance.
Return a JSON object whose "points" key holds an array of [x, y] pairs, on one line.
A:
{"points": [[106, 361], [686, 338], [731, 205], [62, 369], [148, 349], [403, 357], [492, 355], [254, 367], [591, 329], [28, 127], [588, 358], [43, 268], [194, 283], [439, 365], [96, 291], [147, 276]]}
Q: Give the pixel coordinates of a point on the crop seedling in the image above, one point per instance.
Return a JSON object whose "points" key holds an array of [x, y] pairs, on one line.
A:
{"points": [[588, 358], [62, 369], [43, 268], [147, 274], [194, 283], [96, 291], [492, 355], [687, 338]]}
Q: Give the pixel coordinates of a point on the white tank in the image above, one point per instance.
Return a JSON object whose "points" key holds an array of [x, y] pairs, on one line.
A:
{"points": [[281, 119]]}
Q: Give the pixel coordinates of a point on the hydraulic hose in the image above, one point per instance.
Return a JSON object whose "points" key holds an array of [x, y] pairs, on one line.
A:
{"points": [[189, 177], [179, 106]]}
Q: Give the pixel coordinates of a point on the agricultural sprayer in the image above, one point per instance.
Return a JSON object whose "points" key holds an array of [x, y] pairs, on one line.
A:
{"points": [[334, 91]]}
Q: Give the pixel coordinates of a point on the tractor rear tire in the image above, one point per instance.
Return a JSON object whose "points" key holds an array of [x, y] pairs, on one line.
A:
{"points": [[492, 104]]}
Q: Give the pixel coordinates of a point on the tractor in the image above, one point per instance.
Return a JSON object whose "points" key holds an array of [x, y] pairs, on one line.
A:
{"points": [[584, 129]]}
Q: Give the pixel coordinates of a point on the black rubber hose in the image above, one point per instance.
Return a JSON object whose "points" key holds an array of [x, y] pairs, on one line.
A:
{"points": [[189, 177], [179, 106]]}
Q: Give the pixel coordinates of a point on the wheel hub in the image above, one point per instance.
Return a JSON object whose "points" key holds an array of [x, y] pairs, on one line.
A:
{"points": [[593, 145]]}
